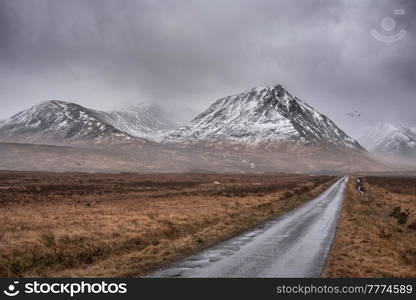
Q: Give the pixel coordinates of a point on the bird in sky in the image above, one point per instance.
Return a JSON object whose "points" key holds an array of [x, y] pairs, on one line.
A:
{"points": [[354, 114]]}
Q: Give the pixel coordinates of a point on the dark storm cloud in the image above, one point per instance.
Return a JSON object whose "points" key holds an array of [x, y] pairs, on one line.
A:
{"points": [[104, 53]]}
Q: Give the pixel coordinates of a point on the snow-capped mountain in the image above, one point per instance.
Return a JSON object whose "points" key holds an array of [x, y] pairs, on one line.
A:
{"points": [[143, 120], [387, 138], [262, 115], [57, 122]]}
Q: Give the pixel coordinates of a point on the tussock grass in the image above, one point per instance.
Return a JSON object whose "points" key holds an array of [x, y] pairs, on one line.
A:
{"points": [[127, 225], [373, 239]]}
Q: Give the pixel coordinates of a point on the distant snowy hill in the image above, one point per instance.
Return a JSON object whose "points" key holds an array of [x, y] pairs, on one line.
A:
{"points": [[144, 120], [262, 115], [59, 122], [387, 138]]}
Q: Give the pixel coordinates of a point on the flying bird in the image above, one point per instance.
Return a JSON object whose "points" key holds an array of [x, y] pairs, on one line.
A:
{"points": [[354, 114]]}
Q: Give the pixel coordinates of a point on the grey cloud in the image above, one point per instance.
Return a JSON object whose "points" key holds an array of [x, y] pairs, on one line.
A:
{"points": [[103, 53]]}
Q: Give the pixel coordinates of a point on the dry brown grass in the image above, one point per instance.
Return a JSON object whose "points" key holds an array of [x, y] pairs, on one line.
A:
{"points": [[129, 224], [371, 240]]}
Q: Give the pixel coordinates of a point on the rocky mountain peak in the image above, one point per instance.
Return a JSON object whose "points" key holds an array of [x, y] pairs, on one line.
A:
{"points": [[261, 115]]}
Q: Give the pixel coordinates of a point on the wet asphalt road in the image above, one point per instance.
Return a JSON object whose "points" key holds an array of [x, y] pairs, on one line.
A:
{"points": [[295, 244]]}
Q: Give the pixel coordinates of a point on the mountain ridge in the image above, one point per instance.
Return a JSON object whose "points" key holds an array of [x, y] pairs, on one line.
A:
{"points": [[144, 120]]}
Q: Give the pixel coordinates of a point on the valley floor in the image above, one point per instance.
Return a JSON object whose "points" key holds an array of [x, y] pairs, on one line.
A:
{"points": [[376, 235], [112, 225]]}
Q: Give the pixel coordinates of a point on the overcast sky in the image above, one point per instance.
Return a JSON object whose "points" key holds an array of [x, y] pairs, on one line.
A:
{"points": [[104, 54]]}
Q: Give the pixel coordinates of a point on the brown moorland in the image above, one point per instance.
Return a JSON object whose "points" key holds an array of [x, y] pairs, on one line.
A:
{"points": [[110, 225], [376, 235]]}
